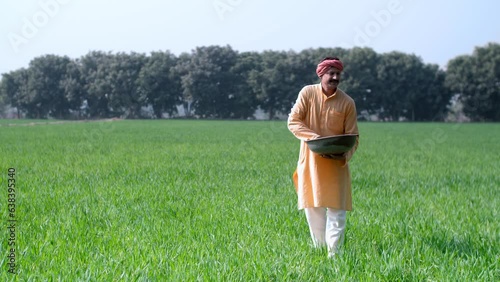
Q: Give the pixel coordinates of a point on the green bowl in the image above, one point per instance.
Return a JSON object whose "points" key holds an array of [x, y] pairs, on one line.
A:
{"points": [[336, 144]]}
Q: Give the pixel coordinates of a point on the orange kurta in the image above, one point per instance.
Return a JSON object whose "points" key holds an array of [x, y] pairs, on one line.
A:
{"points": [[322, 182]]}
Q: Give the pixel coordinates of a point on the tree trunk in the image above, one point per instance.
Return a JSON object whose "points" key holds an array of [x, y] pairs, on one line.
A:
{"points": [[271, 113]]}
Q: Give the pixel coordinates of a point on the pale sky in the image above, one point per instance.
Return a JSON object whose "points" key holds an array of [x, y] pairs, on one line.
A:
{"points": [[435, 30]]}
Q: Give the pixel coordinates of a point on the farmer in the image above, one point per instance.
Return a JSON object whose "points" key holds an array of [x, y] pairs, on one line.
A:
{"points": [[323, 182]]}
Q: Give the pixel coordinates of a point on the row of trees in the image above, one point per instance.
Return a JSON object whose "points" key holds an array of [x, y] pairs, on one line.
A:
{"points": [[219, 82]]}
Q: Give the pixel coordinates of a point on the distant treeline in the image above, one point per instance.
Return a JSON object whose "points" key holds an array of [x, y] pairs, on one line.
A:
{"points": [[218, 82]]}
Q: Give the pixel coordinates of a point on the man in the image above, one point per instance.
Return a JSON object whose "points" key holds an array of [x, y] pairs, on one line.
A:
{"points": [[323, 182]]}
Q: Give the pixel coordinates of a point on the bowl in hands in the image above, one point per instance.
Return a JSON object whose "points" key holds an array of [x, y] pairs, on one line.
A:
{"points": [[332, 145]]}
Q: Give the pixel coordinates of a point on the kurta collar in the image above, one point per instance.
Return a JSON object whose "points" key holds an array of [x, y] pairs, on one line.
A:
{"points": [[323, 94]]}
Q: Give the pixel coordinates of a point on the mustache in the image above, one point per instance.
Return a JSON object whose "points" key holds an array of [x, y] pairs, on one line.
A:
{"points": [[334, 80]]}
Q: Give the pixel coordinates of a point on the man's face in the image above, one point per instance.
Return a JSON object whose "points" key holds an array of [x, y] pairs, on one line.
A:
{"points": [[331, 79]]}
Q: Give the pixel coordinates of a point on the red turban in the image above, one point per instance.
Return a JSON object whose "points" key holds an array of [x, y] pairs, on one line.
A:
{"points": [[324, 66]]}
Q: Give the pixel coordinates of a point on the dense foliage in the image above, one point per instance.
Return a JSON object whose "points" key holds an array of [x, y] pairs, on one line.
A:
{"points": [[219, 82]]}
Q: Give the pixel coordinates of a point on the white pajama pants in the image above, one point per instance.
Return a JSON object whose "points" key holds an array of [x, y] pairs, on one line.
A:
{"points": [[327, 227]]}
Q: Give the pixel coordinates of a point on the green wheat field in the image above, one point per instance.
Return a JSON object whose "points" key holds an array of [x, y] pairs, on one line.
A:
{"points": [[187, 200]]}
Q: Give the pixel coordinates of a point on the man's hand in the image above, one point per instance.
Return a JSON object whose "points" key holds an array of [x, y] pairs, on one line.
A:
{"points": [[334, 156]]}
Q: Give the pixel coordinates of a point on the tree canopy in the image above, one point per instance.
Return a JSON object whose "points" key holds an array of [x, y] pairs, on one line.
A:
{"points": [[222, 83], [476, 79]]}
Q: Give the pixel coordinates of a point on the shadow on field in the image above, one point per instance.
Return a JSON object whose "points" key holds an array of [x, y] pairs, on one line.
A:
{"points": [[457, 246]]}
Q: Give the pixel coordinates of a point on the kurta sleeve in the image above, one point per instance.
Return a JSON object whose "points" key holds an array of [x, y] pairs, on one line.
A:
{"points": [[351, 127], [297, 118]]}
